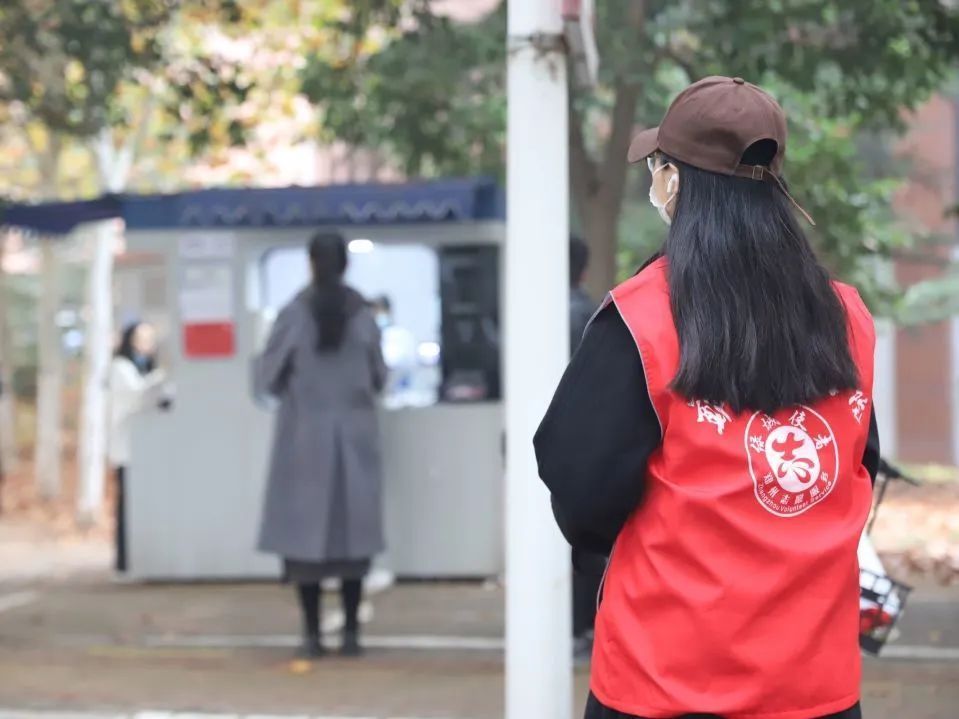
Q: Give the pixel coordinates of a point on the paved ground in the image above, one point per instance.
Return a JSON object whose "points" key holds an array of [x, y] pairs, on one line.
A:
{"points": [[93, 646], [30, 552]]}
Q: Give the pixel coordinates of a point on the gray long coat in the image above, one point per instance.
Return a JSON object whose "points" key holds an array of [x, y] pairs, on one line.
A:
{"points": [[323, 495]]}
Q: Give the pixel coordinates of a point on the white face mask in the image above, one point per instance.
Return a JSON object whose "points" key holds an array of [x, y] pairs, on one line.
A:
{"points": [[671, 189]]}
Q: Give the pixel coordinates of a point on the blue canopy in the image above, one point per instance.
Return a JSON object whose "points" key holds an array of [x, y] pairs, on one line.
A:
{"points": [[457, 200]]}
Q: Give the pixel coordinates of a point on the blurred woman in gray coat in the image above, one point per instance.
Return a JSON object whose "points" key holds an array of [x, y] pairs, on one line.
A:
{"points": [[322, 510]]}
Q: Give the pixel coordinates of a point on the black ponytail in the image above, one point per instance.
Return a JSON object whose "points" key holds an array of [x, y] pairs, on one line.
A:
{"points": [[328, 260]]}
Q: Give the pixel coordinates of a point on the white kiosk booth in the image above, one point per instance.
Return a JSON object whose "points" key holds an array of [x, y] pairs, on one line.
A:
{"points": [[210, 268]]}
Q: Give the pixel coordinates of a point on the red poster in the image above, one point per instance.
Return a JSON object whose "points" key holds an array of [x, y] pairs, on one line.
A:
{"points": [[209, 339]]}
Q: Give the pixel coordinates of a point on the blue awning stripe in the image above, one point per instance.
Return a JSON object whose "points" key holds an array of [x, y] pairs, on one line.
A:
{"points": [[458, 200]]}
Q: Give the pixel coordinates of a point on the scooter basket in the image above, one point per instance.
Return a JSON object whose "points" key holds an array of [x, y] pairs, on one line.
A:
{"points": [[881, 602]]}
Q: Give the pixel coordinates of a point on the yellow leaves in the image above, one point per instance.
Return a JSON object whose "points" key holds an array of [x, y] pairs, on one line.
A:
{"points": [[138, 43], [38, 136], [218, 133], [200, 90], [300, 667], [22, 149], [288, 105], [74, 72]]}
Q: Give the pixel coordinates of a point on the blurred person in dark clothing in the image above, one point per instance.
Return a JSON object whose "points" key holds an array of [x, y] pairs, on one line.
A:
{"points": [[581, 305], [322, 513], [588, 567]]}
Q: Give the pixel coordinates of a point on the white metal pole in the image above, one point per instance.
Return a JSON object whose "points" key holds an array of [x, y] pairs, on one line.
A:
{"points": [[538, 641], [99, 345], [50, 384], [113, 167]]}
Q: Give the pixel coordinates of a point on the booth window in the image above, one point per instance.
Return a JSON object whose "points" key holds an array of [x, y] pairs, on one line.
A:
{"points": [[470, 322], [401, 283], [439, 310]]}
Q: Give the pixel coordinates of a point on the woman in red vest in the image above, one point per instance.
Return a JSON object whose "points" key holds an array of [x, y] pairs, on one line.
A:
{"points": [[715, 432]]}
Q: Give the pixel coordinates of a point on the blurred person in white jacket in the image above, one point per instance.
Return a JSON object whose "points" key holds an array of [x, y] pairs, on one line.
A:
{"points": [[135, 385]]}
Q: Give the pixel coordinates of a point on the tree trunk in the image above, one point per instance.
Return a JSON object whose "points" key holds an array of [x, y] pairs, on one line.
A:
{"points": [[48, 161], [8, 424], [49, 417], [599, 187], [600, 220], [50, 377], [93, 417]]}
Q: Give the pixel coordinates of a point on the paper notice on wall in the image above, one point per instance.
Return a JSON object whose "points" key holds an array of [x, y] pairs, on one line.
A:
{"points": [[207, 310], [206, 293], [206, 247]]}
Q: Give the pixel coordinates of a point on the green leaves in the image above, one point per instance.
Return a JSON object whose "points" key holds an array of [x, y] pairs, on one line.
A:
{"points": [[929, 301], [845, 72], [869, 58], [170, 80], [199, 93], [430, 94], [433, 97], [63, 59]]}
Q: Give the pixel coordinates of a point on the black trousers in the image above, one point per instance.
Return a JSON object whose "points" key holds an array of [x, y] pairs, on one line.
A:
{"points": [[595, 710], [120, 533], [310, 595]]}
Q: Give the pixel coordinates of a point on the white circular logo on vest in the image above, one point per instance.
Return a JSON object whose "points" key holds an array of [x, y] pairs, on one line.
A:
{"points": [[793, 459]]}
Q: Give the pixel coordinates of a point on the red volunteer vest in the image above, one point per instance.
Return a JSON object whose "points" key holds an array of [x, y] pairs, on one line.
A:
{"points": [[734, 588]]}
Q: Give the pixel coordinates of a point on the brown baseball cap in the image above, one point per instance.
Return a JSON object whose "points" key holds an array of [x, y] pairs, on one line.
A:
{"points": [[712, 123]]}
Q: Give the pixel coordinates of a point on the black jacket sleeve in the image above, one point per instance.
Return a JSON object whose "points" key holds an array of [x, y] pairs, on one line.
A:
{"points": [[598, 433], [870, 457], [593, 443]]}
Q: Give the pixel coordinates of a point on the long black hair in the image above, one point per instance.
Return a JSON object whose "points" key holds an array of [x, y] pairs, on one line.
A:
{"points": [[328, 261], [760, 326], [144, 364]]}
